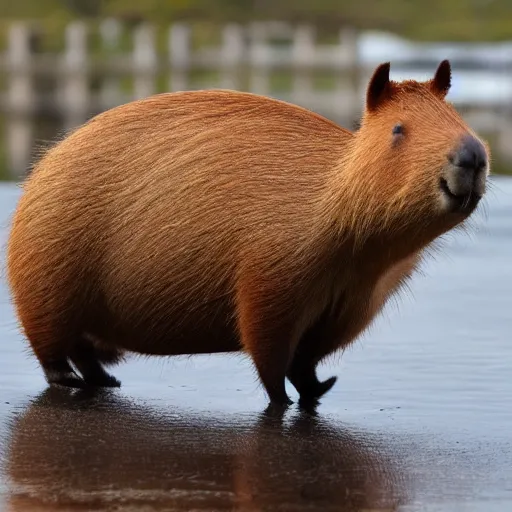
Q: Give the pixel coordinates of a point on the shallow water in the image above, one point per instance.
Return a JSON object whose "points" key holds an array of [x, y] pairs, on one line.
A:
{"points": [[419, 420]]}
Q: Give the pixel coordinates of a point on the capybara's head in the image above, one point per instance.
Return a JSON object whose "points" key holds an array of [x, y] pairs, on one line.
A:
{"points": [[416, 162]]}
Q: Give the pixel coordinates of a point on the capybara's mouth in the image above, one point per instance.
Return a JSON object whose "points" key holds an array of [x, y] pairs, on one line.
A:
{"points": [[460, 203]]}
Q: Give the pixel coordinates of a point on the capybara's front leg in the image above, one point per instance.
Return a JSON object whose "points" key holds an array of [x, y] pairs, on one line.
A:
{"points": [[272, 372], [302, 375], [269, 349], [267, 336], [316, 343]]}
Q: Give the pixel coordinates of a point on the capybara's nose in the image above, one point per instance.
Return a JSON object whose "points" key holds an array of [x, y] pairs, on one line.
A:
{"points": [[469, 155], [464, 180]]}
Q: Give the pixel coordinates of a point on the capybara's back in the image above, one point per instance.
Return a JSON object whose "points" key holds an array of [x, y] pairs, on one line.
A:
{"points": [[214, 221]]}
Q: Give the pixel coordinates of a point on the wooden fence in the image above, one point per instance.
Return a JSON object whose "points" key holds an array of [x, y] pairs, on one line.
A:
{"points": [[64, 89]]}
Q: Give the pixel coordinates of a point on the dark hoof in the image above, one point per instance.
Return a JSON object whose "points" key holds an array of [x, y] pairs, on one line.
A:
{"points": [[313, 392], [105, 381], [112, 382], [277, 409], [326, 386], [309, 406], [281, 404], [68, 381]]}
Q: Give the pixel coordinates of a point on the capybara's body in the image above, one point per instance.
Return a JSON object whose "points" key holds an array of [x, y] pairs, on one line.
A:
{"points": [[216, 221]]}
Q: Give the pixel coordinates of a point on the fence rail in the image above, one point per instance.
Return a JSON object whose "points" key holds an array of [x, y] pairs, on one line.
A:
{"points": [[71, 86]]}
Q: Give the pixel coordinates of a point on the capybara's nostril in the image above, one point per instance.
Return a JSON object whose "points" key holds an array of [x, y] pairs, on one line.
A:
{"points": [[470, 154]]}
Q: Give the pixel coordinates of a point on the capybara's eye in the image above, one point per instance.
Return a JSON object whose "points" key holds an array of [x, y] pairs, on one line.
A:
{"points": [[398, 129]]}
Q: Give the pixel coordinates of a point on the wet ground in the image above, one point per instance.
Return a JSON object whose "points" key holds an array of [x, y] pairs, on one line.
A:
{"points": [[420, 419]]}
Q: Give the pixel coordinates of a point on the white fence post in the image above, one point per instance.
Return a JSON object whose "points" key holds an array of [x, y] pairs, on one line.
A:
{"points": [[350, 100], [232, 52], [20, 101], [260, 60], [144, 61], [179, 54], [76, 88], [110, 32], [303, 55]]}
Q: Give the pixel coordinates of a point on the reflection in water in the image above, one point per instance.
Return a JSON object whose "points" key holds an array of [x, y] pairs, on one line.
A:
{"points": [[78, 451]]}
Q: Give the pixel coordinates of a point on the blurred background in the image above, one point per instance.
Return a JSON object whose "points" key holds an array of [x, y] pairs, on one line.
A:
{"points": [[63, 61]]}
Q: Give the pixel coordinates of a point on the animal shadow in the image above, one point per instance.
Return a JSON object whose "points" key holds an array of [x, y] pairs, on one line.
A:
{"points": [[99, 451]]}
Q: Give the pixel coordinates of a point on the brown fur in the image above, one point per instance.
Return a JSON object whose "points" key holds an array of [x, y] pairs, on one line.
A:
{"points": [[214, 221]]}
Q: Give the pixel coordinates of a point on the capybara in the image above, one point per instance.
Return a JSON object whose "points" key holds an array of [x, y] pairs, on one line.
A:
{"points": [[219, 221]]}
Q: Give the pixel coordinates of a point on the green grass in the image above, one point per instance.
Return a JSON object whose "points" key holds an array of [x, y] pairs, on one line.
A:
{"points": [[454, 20], [502, 168], [4, 170], [4, 174]]}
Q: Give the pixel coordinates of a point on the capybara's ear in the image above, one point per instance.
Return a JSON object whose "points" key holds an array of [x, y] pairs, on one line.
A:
{"points": [[440, 84], [379, 87]]}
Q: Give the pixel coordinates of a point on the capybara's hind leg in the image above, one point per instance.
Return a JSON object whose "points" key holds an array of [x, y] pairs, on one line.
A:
{"points": [[87, 360], [59, 372], [51, 347]]}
